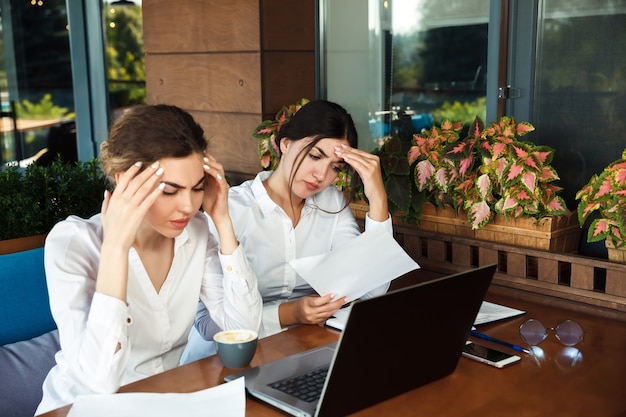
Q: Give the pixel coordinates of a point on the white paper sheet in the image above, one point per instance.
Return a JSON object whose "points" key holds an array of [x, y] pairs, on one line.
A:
{"points": [[225, 400], [367, 262], [489, 312]]}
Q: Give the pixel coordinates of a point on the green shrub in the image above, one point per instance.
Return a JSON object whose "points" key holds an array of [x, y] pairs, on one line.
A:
{"points": [[34, 199]]}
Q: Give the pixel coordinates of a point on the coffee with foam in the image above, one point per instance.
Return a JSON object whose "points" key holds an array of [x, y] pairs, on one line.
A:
{"points": [[234, 336]]}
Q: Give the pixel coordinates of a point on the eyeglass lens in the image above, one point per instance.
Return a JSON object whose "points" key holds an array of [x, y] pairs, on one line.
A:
{"points": [[568, 332]]}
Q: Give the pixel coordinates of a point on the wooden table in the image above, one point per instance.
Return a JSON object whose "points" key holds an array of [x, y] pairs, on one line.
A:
{"points": [[595, 386]]}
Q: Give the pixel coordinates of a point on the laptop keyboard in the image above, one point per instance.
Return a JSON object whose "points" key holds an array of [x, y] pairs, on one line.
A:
{"points": [[306, 387]]}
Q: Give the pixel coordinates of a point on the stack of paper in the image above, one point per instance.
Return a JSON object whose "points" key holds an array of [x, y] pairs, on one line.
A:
{"points": [[489, 312]]}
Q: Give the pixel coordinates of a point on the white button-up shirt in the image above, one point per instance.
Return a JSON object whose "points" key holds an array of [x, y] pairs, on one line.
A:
{"points": [[270, 241], [152, 328]]}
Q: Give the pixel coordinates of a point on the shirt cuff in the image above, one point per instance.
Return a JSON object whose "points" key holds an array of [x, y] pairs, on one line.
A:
{"points": [[235, 265], [373, 224], [108, 312], [271, 320]]}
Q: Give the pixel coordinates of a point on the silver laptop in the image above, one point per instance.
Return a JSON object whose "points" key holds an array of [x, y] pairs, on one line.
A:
{"points": [[391, 344]]}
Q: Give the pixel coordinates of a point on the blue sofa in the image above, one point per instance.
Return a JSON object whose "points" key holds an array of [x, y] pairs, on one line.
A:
{"points": [[28, 336]]}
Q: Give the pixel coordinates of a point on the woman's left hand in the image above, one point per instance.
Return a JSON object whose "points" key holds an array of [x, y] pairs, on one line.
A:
{"points": [[215, 201], [367, 166]]}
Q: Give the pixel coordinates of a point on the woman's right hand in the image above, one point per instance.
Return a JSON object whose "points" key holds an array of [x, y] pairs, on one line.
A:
{"points": [[367, 166], [122, 214], [309, 309], [124, 210]]}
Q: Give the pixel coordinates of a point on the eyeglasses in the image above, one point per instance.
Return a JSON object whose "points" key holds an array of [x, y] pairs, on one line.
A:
{"points": [[568, 332]]}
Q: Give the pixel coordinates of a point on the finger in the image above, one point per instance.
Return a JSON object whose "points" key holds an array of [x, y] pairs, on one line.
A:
{"points": [[128, 175], [329, 301], [337, 304], [356, 158], [149, 200], [105, 201], [213, 168], [149, 189], [348, 150], [132, 182]]}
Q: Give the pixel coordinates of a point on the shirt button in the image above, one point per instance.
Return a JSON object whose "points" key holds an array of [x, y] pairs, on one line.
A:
{"points": [[229, 268], [129, 320]]}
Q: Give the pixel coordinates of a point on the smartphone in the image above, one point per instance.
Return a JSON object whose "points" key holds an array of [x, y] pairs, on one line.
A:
{"points": [[489, 355]]}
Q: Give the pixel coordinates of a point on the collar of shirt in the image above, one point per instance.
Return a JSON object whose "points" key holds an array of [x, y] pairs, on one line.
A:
{"points": [[266, 204]]}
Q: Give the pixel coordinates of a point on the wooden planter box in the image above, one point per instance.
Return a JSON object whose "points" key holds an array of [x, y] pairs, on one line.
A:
{"points": [[554, 234], [615, 255]]}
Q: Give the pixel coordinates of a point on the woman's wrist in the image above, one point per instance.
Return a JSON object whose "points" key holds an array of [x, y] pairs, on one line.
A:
{"points": [[379, 210], [285, 314], [226, 233]]}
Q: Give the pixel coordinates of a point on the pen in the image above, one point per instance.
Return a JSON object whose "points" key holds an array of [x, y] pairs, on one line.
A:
{"points": [[498, 341]]}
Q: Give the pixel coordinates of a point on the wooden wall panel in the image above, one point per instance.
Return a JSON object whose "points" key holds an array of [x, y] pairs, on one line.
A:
{"points": [[229, 138], [209, 82], [212, 58], [288, 25], [287, 77], [200, 25], [288, 52]]}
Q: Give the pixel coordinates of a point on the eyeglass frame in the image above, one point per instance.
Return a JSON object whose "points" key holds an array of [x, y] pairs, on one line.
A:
{"points": [[555, 329]]}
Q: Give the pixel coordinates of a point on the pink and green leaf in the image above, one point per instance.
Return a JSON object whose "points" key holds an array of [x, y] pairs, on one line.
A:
{"points": [[479, 214], [424, 170]]}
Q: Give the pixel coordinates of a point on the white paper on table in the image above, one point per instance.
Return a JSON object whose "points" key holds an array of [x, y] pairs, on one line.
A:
{"points": [[370, 260], [490, 312], [228, 400]]}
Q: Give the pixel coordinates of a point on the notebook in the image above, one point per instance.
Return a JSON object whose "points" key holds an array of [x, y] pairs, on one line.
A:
{"points": [[391, 344]]}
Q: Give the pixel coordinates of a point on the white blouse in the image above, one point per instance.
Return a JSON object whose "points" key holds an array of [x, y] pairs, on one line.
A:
{"points": [[270, 241], [152, 328]]}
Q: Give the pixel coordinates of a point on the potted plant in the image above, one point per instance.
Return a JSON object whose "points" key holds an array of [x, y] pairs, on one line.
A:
{"points": [[489, 171], [33, 199], [605, 195], [490, 175]]}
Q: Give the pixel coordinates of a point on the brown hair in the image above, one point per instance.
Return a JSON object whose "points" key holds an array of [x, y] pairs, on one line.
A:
{"points": [[147, 133]]}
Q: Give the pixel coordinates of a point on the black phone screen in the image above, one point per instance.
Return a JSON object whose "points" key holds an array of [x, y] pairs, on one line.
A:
{"points": [[485, 352]]}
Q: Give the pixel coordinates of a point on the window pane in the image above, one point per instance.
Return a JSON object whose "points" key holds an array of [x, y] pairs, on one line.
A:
{"points": [[36, 81], [403, 64], [580, 92], [125, 54]]}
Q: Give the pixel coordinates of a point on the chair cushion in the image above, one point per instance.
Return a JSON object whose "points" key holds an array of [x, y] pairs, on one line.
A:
{"points": [[23, 368], [24, 304]]}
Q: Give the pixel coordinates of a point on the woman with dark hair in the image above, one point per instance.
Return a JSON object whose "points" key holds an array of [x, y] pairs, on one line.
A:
{"points": [[295, 212], [124, 284]]}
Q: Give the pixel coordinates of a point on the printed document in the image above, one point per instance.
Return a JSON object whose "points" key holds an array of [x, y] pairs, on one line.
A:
{"points": [[372, 259], [225, 400]]}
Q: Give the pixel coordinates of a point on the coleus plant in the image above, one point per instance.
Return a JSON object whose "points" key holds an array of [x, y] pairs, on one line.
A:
{"points": [[266, 133], [605, 193], [488, 171], [402, 195]]}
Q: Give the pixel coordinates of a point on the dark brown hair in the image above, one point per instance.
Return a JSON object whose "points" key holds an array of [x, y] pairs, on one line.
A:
{"points": [[147, 133]]}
